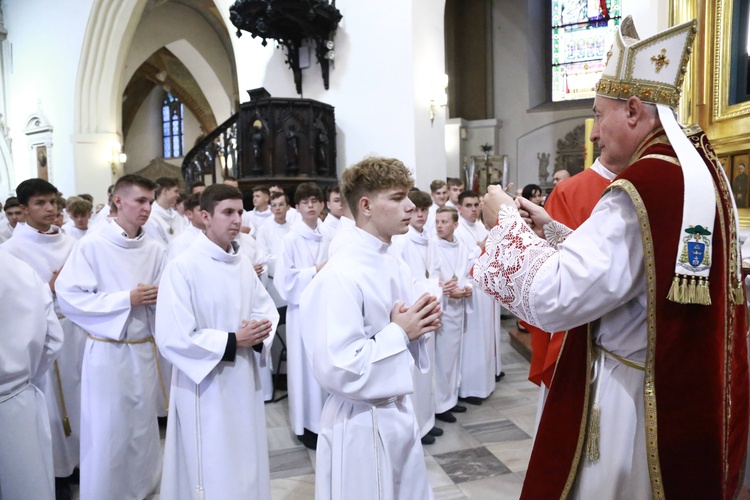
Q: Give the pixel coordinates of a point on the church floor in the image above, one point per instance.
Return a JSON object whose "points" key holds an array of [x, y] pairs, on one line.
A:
{"points": [[483, 455]]}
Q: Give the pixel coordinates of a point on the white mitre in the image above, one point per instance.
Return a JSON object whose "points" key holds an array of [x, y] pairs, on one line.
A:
{"points": [[653, 70]]}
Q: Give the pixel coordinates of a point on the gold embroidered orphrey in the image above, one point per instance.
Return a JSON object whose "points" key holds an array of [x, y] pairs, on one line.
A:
{"points": [[661, 60]]}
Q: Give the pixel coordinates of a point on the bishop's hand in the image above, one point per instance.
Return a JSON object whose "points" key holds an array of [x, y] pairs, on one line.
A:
{"points": [[422, 317], [493, 200], [533, 215]]}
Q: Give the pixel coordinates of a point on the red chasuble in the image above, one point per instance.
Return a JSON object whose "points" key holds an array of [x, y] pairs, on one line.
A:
{"points": [[570, 203], [696, 375]]}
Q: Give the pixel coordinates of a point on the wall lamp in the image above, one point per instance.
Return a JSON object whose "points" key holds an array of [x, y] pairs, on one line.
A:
{"points": [[115, 157], [442, 99]]}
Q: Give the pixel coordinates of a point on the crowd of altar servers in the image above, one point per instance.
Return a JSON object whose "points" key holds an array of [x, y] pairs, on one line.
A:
{"points": [[286, 241]]}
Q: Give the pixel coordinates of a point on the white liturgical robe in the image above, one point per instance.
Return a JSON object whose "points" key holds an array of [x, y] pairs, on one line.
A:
{"points": [[163, 225], [365, 362], [303, 249], [255, 219], [415, 249], [339, 239], [46, 253], [183, 241], [216, 434], [453, 262], [574, 283], [6, 230], [268, 249], [120, 452], [31, 337], [429, 226], [481, 353], [71, 230], [329, 226]]}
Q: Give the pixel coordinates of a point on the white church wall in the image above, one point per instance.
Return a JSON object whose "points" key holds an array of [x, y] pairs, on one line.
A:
{"points": [[45, 41], [543, 140], [512, 60], [429, 80], [377, 82], [189, 36], [144, 141]]}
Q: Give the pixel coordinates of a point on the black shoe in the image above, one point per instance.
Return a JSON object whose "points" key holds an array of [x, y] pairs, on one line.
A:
{"points": [[427, 439], [458, 409], [498, 377], [435, 431], [446, 417], [62, 489], [472, 400], [309, 439]]}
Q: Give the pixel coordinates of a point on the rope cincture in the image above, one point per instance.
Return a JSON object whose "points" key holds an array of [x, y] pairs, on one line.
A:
{"points": [[593, 427], [373, 405], [156, 358]]}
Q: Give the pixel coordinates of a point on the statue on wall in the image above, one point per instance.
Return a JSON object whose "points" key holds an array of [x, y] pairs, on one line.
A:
{"points": [[292, 151], [322, 152], [543, 163], [256, 140]]}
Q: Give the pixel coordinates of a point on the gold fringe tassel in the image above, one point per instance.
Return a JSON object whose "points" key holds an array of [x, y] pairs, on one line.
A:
{"points": [[690, 298], [737, 294], [594, 427], [704, 296], [691, 290], [675, 291]]}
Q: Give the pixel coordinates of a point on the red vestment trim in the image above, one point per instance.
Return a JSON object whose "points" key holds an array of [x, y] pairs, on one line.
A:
{"points": [[696, 368]]}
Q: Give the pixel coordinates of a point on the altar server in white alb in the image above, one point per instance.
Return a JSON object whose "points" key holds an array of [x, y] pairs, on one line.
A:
{"points": [[212, 314], [335, 209], [186, 238], [13, 215], [364, 343], [109, 287], [79, 213], [261, 212], [453, 262], [268, 243], [31, 337], [292, 215], [304, 253], [481, 364], [42, 245], [164, 223], [416, 250]]}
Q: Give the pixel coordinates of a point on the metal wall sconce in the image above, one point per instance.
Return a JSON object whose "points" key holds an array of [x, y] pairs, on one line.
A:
{"points": [[290, 23], [441, 101], [116, 157]]}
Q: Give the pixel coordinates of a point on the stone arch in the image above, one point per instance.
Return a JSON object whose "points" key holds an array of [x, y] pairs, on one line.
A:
{"points": [[98, 90], [109, 33]]}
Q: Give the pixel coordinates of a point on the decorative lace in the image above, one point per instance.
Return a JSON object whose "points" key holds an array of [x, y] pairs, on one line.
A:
{"points": [[555, 233], [513, 256]]}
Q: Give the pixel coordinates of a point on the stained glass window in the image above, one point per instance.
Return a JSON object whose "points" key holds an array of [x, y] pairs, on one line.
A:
{"points": [[582, 33], [172, 127]]}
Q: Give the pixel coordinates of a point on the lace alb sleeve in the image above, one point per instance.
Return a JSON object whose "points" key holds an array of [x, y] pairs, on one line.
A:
{"points": [[512, 259], [556, 232]]}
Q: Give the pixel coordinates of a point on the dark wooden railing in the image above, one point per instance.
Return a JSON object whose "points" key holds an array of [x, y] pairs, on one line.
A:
{"points": [[217, 152]]}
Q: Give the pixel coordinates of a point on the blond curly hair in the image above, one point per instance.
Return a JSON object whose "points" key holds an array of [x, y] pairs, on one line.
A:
{"points": [[372, 175]]}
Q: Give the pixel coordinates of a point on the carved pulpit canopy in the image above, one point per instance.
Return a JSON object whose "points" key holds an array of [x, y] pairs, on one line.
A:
{"points": [[290, 22]]}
